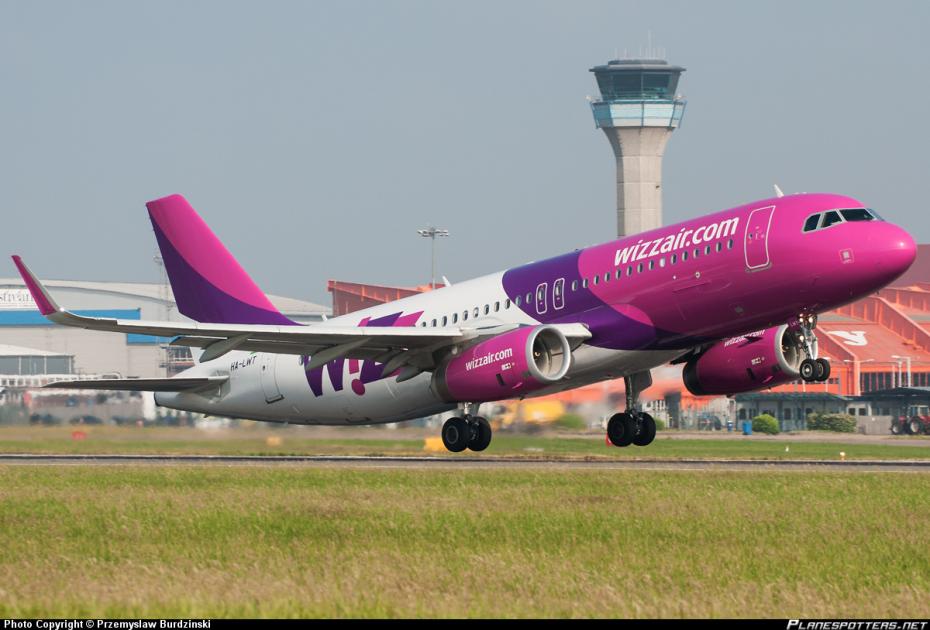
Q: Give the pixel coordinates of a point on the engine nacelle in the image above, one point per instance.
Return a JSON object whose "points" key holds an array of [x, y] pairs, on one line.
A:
{"points": [[755, 361], [510, 365]]}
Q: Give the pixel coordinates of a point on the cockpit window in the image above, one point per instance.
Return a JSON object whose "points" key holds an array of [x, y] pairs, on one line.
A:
{"points": [[857, 214], [811, 224], [831, 218]]}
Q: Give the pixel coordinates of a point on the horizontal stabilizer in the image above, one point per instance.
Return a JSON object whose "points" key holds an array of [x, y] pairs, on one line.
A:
{"points": [[144, 384]]}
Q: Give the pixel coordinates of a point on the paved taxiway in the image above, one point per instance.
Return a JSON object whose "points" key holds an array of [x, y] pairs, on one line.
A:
{"points": [[470, 462]]}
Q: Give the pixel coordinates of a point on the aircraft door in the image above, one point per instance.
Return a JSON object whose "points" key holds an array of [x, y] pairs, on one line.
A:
{"points": [[756, 239], [269, 378]]}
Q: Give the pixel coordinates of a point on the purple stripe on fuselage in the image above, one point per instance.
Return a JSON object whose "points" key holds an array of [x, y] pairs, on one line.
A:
{"points": [[624, 329], [200, 300]]}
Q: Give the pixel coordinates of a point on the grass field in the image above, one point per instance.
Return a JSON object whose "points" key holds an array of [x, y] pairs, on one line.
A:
{"points": [[158, 541], [109, 439]]}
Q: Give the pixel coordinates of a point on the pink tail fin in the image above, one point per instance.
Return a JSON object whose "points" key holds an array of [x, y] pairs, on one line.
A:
{"points": [[208, 284]]}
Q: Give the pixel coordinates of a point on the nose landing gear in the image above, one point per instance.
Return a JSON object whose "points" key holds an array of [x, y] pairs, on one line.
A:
{"points": [[470, 431], [632, 426], [812, 370]]}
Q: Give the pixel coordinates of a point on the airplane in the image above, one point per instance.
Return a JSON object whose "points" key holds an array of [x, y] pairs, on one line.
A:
{"points": [[734, 296]]}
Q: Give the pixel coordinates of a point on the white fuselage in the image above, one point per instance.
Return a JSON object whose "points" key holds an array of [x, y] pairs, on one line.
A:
{"points": [[275, 387]]}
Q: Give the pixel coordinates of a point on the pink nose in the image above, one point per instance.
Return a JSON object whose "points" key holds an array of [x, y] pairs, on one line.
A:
{"points": [[893, 248]]}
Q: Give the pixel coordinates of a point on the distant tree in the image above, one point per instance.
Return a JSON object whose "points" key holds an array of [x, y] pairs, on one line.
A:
{"points": [[765, 423], [571, 421], [837, 422]]}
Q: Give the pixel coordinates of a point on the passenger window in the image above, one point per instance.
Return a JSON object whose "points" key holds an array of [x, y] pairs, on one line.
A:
{"points": [[434, 323], [464, 315], [811, 224], [707, 249], [697, 253], [719, 246], [455, 318], [629, 270], [597, 279], [497, 307], [639, 268], [662, 261], [584, 283], [684, 256], [506, 303], [619, 273], [445, 320], [730, 244], [574, 285], [475, 312], [652, 265], [674, 258], [487, 309], [519, 300], [529, 298], [607, 277], [831, 218]]}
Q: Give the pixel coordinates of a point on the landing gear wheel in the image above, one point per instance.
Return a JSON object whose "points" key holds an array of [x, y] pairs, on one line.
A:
{"points": [[621, 429], [647, 430], [480, 434], [819, 371], [455, 433], [809, 370], [825, 367], [915, 427]]}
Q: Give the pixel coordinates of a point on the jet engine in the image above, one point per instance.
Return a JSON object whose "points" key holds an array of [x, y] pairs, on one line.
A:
{"points": [[751, 362], [509, 365]]}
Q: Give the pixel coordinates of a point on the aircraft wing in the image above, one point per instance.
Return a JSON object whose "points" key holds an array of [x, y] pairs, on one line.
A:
{"points": [[395, 346], [177, 384]]}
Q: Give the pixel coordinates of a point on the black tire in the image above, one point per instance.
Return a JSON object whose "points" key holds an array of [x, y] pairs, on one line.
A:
{"points": [[896, 428], [455, 434], [647, 431], [480, 434], [808, 370], [915, 426], [825, 365], [620, 429]]}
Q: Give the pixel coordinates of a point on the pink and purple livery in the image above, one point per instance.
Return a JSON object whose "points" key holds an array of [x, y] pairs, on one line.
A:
{"points": [[734, 296]]}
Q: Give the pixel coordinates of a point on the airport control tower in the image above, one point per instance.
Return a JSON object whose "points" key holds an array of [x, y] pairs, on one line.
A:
{"points": [[638, 111]]}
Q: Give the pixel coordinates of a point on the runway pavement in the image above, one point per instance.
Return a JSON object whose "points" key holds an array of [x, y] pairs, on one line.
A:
{"points": [[469, 462]]}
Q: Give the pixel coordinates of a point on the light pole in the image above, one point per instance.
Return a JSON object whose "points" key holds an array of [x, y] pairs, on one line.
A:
{"points": [[908, 359], [431, 233]]}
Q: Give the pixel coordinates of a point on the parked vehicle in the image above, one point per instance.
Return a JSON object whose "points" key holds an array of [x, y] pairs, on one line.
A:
{"points": [[915, 422]]}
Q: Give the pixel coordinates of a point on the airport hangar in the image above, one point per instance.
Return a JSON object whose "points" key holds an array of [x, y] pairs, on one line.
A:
{"points": [[27, 338]]}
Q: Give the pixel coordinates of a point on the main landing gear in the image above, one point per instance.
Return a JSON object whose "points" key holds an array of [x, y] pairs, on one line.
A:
{"points": [[812, 370], [632, 426], [470, 431]]}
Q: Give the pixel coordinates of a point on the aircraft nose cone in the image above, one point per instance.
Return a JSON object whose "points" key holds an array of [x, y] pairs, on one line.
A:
{"points": [[896, 250]]}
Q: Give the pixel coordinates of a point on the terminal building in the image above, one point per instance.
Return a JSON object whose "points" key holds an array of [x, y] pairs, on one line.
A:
{"points": [[43, 348]]}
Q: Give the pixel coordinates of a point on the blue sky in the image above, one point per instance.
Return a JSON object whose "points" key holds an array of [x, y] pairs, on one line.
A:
{"points": [[316, 137]]}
